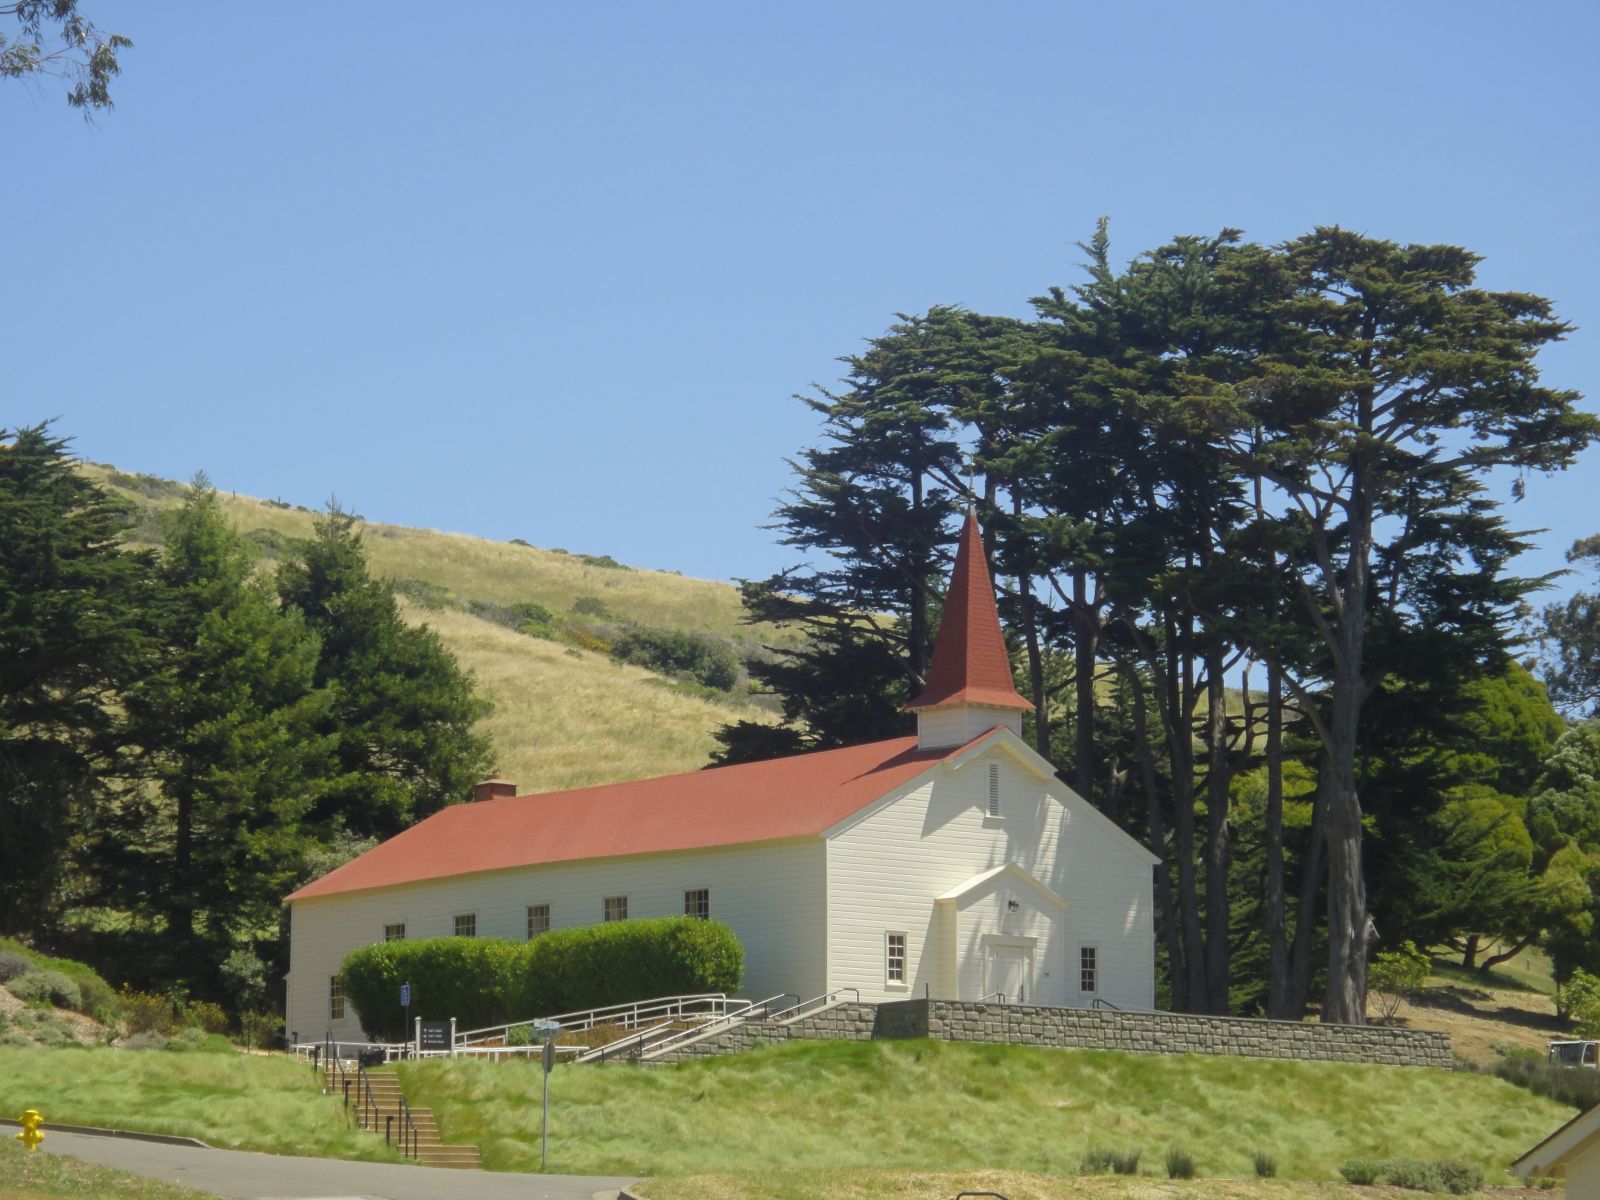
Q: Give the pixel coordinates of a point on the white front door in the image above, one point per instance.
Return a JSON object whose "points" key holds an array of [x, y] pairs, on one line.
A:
{"points": [[1010, 972]]}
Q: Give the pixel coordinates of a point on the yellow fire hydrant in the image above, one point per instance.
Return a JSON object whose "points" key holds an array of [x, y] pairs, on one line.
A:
{"points": [[31, 1135]]}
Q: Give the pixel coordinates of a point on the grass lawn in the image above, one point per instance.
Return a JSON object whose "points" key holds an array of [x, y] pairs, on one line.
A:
{"points": [[1015, 1185], [33, 1176], [235, 1101], [942, 1107]]}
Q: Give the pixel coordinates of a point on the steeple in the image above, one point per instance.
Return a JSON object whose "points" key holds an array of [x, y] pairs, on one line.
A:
{"points": [[969, 688]]}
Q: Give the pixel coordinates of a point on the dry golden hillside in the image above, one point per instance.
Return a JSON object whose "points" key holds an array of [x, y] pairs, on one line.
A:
{"points": [[564, 715]]}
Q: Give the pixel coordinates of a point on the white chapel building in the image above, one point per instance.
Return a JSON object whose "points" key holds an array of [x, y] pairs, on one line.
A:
{"points": [[953, 864]]}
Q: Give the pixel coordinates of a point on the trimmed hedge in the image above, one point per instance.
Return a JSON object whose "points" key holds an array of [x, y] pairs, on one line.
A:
{"points": [[489, 981]]}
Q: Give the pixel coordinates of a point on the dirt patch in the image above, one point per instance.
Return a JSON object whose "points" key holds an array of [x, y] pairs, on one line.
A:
{"points": [[22, 1018], [1480, 1019]]}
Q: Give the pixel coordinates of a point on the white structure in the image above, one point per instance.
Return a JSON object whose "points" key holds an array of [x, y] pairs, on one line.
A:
{"points": [[952, 864], [1571, 1153]]}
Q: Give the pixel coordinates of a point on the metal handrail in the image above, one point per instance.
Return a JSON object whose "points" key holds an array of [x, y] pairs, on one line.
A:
{"points": [[407, 1141], [633, 1043], [822, 999], [587, 1018], [1099, 1003], [636, 1048], [1000, 996]]}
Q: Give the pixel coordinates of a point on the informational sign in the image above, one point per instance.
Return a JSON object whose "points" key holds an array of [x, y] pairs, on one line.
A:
{"points": [[435, 1035], [405, 995]]}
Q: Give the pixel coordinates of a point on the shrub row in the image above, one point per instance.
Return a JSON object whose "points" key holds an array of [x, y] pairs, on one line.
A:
{"points": [[68, 983], [488, 981], [1448, 1175], [700, 657], [1565, 1085]]}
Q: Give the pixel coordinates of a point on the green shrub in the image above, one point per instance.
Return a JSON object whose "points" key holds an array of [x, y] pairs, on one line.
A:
{"points": [[95, 996], [487, 981], [704, 659], [1459, 1178], [1361, 1171], [1412, 1174], [589, 606], [1395, 976], [206, 1016], [259, 1028], [1266, 1167], [149, 1039], [1180, 1164], [13, 964], [46, 987], [147, 1013], [1566, 1085], [1101, 1160], [522, 1035]]}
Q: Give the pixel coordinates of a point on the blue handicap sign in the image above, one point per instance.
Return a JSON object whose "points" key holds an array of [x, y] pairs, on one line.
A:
{"points": [[405, 995]]}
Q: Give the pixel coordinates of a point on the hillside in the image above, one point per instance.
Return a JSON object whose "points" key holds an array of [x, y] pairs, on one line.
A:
{"points": [[566, 714]]}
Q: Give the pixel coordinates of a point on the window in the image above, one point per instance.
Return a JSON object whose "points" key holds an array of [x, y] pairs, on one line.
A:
{"points": [[697, 903], [466, 924], [395, 933], [994, 790], [1088, 968], [538, 919], [894, 967], [616, 908], [336, 997]]}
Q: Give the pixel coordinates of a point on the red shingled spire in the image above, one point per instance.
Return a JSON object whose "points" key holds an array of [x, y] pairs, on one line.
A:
{"points": [[970, 664]]}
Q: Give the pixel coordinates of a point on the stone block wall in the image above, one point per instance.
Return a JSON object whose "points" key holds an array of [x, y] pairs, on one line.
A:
{"points": [[850, 1021], [1167, 1033]]}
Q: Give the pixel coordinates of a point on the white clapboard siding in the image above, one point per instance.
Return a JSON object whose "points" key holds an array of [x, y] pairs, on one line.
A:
{"points": [[771, 895], [886, 867]]}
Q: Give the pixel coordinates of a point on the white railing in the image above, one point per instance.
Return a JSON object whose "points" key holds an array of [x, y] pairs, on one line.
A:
{"points": [[814, 1002], [629, 1016], [1000, 996], [728, 1019]]}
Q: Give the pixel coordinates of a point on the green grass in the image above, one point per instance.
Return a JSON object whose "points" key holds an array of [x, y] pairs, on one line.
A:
{"points": [[1015, 1185], [236, 1101], [934, 1106], [32, 1176]]}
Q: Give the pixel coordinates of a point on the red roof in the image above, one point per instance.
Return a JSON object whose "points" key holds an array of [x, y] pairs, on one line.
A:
{"points": [[970, 664], [798, 796]]}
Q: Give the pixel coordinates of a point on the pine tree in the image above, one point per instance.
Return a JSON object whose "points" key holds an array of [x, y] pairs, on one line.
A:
{"points": [[71, 599], [402, 711]]}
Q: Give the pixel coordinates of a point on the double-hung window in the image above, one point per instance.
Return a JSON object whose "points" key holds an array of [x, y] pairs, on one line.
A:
{"points": [[697, 903], [466, 924], [395, 933], [336, 997], [1088, 969], [538, 919], [615, 908], [894, 958]]}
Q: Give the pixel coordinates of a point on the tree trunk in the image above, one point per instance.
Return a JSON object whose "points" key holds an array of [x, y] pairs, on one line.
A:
{"points": [[1469, 953], [918, 633], [1345, 999], [1030, 640], [1158, 841], [1278, 981], [1084, 626], [1218, 855]]}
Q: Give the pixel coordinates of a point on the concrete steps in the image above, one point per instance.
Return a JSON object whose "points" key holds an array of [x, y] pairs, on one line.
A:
{"points": [[386, 1095]]}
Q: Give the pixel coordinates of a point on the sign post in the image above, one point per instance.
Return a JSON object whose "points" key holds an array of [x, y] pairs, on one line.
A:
{"points": [[548, 1030], [405, 1002]]}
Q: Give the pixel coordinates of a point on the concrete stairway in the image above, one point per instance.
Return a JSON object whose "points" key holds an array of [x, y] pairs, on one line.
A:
{"points": [[431, 1151]]}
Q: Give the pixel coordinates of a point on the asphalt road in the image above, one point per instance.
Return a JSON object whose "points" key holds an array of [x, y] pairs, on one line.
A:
{"points": [[239, 1175]]}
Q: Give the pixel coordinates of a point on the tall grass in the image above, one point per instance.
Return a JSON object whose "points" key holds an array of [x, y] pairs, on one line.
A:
{"points": [[32, 1176], [237, 1101], [949, 1106]]}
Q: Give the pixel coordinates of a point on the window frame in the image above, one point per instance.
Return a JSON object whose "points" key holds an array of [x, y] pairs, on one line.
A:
{"points": [[890, 937], [606, 904], [336, 997], [389, 934], [697, 912], [457, 918], [1089, 970], [532, 932]]}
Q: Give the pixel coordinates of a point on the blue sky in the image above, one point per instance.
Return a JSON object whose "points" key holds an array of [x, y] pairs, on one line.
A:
{"points": [[554, 271]]}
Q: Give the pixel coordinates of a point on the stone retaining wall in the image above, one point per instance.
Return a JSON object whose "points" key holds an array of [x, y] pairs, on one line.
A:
{"points": [[1162, 1033], [1085, 1029], [847, 1022]]}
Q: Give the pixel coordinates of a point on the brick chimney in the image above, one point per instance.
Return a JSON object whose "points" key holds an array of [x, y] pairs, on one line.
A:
{"points": [[493, 788]]}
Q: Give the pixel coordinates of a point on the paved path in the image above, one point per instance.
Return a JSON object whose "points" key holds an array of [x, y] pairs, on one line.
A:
{"points": [[239, 1175]]}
